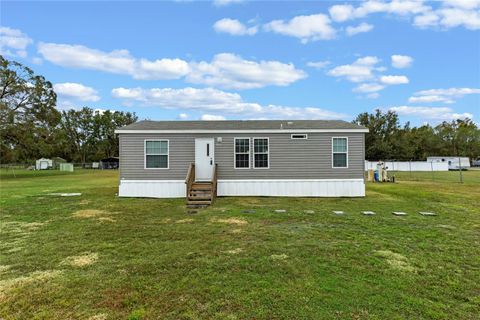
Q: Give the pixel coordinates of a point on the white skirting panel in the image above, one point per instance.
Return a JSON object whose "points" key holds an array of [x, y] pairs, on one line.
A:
{"points": [[152, 188], [293, 188]]}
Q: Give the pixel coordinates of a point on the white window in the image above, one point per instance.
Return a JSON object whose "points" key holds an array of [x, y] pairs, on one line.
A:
{"points": [[299, 136], [242, 153], [339, 152], [156, 154], [260, 153]]}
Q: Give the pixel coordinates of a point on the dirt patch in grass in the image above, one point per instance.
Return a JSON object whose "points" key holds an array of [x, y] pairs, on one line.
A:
{"points": [[396, 260], [84, 202], [21, 227], [82, 260], [100, 316], [100, 215], [282, 256], [237, 231], [89, 213], [38, 276], [166, 220], [17, 233], [234, 221], [4, 269], [188, 220]]}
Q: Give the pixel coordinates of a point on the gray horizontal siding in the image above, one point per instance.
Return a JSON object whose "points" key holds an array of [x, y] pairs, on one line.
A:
{"points": [[289, 159]]}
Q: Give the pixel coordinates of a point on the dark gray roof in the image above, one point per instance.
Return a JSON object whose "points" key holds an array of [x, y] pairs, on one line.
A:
{"points": [[241, 125]]}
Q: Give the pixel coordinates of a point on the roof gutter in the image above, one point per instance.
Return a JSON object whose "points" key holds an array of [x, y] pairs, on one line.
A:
{"points": [[247, 131]]}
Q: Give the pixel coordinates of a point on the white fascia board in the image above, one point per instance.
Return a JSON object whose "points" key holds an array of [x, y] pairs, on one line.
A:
{"points": [[246, 131]]}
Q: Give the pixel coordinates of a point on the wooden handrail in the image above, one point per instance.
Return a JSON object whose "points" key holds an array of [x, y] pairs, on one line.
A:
{"points": [[214, 182], [190, 179]]}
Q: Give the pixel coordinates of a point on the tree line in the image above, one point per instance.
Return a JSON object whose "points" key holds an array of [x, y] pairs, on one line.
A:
{"points": [[388, 140], [32, 127]]}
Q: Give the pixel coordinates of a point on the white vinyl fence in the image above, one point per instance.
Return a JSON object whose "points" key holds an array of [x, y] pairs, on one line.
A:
{"points": [[409, 166]]}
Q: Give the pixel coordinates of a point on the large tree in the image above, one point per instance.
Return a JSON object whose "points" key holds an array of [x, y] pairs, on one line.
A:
{"points": [[28, 117], [380, 140], [91, 133]]}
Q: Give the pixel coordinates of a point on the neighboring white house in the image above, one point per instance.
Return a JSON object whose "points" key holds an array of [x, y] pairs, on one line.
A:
{"points": [[43, 164], [454, 163], [409, 165]]}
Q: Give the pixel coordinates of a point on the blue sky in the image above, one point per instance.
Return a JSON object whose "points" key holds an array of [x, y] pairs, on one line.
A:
{"points": [[254, 60]]}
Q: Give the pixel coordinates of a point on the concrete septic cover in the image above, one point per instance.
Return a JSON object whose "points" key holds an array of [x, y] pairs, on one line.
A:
{"points": [[76, 194], [428, 213], [399, 213], [280, 211], [368, 213], [309, 211], [338, 212]]}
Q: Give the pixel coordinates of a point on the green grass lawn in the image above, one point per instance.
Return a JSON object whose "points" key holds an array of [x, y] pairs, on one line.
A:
{"points": [[97, 256]]}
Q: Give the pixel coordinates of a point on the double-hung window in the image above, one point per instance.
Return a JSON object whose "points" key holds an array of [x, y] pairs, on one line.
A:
{"points": [[156, 154], [242, 153], [340, 152], [260, 153]]}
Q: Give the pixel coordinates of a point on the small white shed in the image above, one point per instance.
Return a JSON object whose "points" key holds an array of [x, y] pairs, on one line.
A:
{"points": [[454, 163], [43, 164]]}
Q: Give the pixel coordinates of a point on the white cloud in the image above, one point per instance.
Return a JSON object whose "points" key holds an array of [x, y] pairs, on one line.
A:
{"points": [[458, 13], [359, 71], [318, 64], [13, 42], [433, 113], [117, 61], [231, 71], [464, 4], [430, 99], [215, 101], [183, 116], [306, 28], [210, 117], [362, 27], [234, 27], [392, 80], [76, 91], [400, 61], [37, 60], [161, 69], [226, 70], [447, 14], [222, 3], [449, 17], [373, 95], [368, 87], [442, 95], [341, 13]]}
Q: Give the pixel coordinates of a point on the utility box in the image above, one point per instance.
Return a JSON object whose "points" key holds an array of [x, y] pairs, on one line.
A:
{"points": [[66, 167]]}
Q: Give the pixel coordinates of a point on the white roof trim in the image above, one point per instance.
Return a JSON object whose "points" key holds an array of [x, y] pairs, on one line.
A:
{"points": [[244, 131]]}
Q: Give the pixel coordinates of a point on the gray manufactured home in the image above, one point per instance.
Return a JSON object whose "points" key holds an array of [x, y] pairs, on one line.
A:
{"points": [[304, 158]]}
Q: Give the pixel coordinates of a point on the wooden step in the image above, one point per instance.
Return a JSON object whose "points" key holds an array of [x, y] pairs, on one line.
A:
{"points": [[193, 198], [199, 202], [200, 192], [201, 187]]}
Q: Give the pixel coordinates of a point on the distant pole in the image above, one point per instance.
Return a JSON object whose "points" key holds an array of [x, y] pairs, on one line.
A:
{"points": [[410, 168], [460, 169], [433, 173]]}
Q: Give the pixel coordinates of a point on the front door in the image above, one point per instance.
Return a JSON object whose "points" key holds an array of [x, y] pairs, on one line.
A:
{"points": [[204, 158]]}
